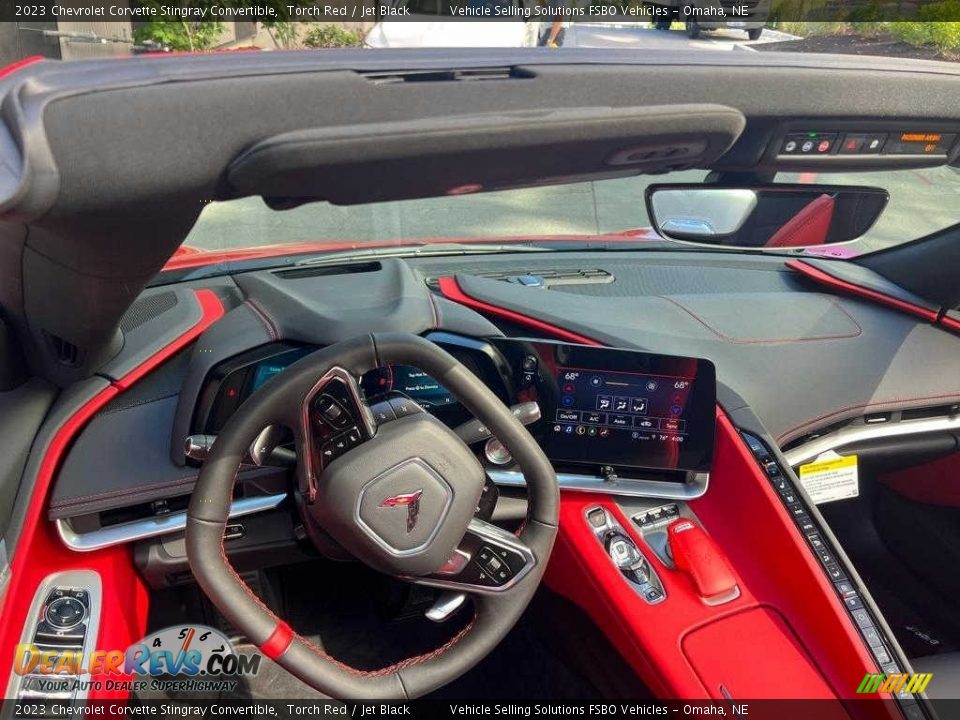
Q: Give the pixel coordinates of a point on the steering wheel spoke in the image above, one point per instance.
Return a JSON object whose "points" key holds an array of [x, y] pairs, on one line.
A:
{"points": [[399, 495], [335, 419], [488, 560]]}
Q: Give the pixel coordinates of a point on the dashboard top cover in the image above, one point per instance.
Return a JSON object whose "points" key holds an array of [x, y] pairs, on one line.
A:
{"points": [[800, 359]]}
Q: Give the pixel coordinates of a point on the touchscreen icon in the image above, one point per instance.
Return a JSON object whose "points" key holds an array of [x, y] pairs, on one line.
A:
{"points": [[621, 404], [604, 402], [567, 400], [639, 406]]}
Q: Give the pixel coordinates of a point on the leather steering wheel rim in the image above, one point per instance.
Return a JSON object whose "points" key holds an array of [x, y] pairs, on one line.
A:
{"points": [[280, 401]]}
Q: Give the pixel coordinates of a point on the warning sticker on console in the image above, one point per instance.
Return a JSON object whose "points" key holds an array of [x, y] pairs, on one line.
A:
{"points": [[830, 477]]}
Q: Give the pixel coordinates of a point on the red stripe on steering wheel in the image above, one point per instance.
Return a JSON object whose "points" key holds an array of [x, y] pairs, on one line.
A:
{"points": [[278, 642]]}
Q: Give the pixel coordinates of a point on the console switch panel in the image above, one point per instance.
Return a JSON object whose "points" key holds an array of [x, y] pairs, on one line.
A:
{"points": [[625, 555]]}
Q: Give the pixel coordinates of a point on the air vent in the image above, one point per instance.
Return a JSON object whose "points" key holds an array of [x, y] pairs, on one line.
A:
{"points": [[931, 412], [327, 270], [65, 352], [130, 513], [543, 277], [468, 75]]}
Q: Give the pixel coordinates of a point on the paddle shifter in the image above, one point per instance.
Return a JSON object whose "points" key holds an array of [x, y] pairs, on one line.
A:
{"points": [[697, 555]]}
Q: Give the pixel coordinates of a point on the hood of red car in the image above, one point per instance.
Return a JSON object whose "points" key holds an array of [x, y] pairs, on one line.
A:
{"points": [[188, 256]]}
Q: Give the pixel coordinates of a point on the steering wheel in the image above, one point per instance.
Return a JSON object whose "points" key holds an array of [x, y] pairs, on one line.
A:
{"points": [[399, 496]]}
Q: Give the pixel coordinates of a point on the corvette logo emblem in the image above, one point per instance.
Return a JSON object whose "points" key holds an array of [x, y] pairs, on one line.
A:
{"points": [[409, 500]]}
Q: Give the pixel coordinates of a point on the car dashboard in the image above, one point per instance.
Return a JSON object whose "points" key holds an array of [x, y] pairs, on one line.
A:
{"points": [[597, 412], [754, 359], [653, 409]]}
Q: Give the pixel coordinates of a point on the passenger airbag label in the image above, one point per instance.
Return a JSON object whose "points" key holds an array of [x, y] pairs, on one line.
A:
{"points": [[830, 477]]}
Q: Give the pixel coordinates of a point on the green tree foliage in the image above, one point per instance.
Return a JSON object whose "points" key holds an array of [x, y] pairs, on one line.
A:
{"points": [[332, 36], [204, 34], [179, 34]]}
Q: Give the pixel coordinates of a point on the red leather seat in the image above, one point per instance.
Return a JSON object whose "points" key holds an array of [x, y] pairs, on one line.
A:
{"points": [[808, 227]]}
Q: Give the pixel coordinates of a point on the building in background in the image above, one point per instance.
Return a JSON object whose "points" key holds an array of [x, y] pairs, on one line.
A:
{"points": [[63, 40]]}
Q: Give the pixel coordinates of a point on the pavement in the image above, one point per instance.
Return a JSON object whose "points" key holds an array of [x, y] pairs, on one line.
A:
{"points": [[922, 201]]}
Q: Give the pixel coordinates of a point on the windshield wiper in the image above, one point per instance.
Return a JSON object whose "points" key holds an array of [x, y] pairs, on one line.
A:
{"points": [[418, 250]]}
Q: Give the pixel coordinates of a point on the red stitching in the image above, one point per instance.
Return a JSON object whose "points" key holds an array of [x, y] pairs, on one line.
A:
{"points": [[265, 320], [319, 651], [771, 341], [409, 662], [77, 499], [434, 310], [896, 403], [135, 489]]}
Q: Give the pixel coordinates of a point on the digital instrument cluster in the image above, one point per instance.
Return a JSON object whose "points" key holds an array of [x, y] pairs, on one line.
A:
{"points": [[233, 381], [412, 382], [600, 407]]}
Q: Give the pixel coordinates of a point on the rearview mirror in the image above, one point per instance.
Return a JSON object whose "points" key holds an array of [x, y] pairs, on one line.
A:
{"points": [[770, 216]]}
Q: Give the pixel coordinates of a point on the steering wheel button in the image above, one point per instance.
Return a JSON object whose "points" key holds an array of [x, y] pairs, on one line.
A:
{"points": [[383, 412], [352, 437], [333, 412], [488, 578], [404, 406]]}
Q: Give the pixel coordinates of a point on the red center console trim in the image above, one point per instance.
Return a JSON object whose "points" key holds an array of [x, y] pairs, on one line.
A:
{"points": [[451, 290], [772, 566], [695, 553], [39, 551]]}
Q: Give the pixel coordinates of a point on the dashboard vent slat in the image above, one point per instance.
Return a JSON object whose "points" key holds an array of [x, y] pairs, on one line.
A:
{"points": [[65, 352], [931, 412], [549, 277], [463, 75]]}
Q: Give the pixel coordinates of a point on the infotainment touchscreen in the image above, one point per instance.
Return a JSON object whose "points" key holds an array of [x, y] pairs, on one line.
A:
{"points": [[622, 408]]}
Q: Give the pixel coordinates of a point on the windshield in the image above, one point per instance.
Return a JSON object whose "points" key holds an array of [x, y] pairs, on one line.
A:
{"points": [[921, 202]]}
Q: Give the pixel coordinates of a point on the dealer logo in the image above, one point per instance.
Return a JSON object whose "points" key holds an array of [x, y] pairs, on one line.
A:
{"points": [[180, 657]]}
